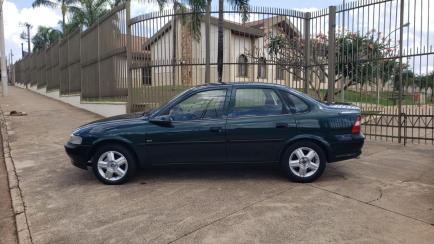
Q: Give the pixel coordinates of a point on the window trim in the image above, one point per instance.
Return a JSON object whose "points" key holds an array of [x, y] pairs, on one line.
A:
{"points": [[262, 61], [246, 64], [231, 104]]}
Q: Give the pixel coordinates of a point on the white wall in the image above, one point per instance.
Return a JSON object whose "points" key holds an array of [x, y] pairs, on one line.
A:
{"points": [[105, 109]]}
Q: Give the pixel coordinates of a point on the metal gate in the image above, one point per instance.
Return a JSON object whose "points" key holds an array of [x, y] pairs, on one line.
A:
{"points": [[376, 54]]}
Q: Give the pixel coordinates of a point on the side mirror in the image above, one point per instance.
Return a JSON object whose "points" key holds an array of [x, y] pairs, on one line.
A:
{"points": [[163, 120]]}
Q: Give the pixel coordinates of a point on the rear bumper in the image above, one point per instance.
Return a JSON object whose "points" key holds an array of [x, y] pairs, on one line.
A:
{"points": [[79, 154], [347, 147]]}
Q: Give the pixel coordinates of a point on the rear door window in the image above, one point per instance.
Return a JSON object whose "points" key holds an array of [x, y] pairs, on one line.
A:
{"points": [[256, 102], [296, 104]]}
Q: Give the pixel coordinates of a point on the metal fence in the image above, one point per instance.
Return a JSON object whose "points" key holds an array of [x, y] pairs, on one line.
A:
{"points": [[376, 54], [104, 58], [69, 61]]}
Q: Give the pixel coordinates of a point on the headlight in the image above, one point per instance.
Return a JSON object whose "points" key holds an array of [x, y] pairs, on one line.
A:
{"points": [[75, 139]]}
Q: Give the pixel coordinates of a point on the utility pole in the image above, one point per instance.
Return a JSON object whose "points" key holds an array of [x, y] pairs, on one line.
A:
{"points": [[28, 26], [26, 36], [11, 68], [22, 50], [4, 73]]}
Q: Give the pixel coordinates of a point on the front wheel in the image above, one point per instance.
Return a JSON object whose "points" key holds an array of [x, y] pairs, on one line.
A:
{"points": [[304, 162], [113, 164]]}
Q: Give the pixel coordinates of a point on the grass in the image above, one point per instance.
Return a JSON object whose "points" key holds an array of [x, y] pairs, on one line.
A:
{"points": [[387, 98], [161, 94]]}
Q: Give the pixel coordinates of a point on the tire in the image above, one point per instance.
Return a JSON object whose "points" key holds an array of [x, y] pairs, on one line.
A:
{"points": [[109, 171], [309, 167]]}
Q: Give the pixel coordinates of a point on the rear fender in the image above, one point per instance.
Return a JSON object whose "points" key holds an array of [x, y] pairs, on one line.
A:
{"points": [[306, 137]]}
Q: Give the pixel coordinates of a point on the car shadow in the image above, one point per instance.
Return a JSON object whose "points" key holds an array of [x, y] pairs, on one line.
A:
{"points": [[209, 172]]}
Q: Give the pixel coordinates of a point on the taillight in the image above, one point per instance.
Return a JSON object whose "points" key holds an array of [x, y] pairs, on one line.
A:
{"points": [[357, 125]]}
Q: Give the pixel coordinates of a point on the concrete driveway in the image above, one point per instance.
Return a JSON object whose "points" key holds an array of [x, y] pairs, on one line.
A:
{"points": [[386, 196]]}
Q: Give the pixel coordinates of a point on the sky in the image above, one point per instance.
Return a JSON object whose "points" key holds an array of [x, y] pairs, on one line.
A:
{"points": [[419, 34], [17, 12]]}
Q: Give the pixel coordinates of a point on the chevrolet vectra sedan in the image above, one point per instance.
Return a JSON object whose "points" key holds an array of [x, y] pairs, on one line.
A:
{"points": [[237, 123]]}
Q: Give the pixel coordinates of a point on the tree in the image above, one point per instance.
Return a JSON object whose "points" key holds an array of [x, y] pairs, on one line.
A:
{"points": [[243, 7], [87, 12], [360, 59], [64, 6], [197, 8], [45, 37]]}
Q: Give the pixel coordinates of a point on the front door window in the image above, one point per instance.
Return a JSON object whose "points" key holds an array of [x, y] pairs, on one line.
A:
{"points": [[202, 105]]}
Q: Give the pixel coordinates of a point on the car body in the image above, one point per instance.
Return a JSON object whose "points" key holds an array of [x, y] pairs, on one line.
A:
{"points": [[224, 123]]}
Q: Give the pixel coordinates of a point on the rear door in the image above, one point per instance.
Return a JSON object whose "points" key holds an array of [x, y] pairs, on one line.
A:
{"points": [[258, 125]]}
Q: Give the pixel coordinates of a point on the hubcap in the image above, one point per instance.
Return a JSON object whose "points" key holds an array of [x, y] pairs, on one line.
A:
{"points": [[304, 162], [112, 165]]}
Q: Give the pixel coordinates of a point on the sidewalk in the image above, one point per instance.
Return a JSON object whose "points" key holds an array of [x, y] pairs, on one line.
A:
{"points": [[7, 219], [386, 196]]}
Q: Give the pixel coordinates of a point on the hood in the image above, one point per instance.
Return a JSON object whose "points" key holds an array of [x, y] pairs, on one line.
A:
{"points": [[117, 117], [109, 123]]}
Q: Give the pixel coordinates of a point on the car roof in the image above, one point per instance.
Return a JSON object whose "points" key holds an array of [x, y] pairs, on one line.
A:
{"points": [[243, 84]]}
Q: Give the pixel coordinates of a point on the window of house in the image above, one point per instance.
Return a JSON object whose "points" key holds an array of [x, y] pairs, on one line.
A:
{"points": [[280, 72], [202, 105], [242, 66], [147, 76], [256, 102], [262, 68]]}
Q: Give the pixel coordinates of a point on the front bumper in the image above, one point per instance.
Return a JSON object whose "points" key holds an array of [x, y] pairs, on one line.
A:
{"points": [[79, 154]]}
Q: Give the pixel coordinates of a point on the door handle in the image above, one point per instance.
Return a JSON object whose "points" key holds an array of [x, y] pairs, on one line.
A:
{"points": [[216, 129], [281, 125]]}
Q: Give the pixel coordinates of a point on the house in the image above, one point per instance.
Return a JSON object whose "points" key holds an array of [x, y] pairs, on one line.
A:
{"points": [[245, 58]]}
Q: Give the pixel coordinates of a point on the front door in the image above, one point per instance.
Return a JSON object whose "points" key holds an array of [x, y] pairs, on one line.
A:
{"points": [[258, 125], [196, 134]]}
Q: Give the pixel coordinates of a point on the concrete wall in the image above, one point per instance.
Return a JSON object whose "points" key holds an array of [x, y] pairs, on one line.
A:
{"points": [[105, 109]]}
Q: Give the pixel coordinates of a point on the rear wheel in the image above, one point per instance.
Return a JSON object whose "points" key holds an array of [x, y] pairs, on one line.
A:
{"points": [[304, 161], [113, 164]]}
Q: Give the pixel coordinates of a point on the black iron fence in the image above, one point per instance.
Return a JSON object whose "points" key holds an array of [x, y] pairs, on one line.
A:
{"points": [[376, 54]]}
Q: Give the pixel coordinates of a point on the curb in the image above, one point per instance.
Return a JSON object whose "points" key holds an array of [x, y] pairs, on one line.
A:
{"points": [[19, 208]]}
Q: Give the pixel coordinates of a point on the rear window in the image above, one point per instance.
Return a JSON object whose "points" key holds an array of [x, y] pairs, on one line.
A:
{"points": [[295, 103]]}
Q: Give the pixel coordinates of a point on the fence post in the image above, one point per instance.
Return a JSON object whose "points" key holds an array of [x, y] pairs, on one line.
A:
{"points": [[401, 36], [307, 53], [208, 43], [331, 54], [129, 59]]}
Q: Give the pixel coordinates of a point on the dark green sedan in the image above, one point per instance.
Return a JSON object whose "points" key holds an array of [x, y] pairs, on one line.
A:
{"points": [[237, 123]]}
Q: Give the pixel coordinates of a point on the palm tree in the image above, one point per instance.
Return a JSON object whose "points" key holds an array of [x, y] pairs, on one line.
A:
{"points": [[64, 6], [87, 12], [45, 37], [198, 7], [243, 7]]}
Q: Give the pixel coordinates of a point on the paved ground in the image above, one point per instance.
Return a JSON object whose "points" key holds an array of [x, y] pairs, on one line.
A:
{"points": [[386, 196], [7, 219]]}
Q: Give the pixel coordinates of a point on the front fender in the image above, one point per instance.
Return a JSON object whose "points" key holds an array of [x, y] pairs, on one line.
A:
{"points": [[123, 141]]}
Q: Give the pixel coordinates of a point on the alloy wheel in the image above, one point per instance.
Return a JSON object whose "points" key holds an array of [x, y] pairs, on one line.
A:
{"points": [[304, 162], [112, 165]]}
